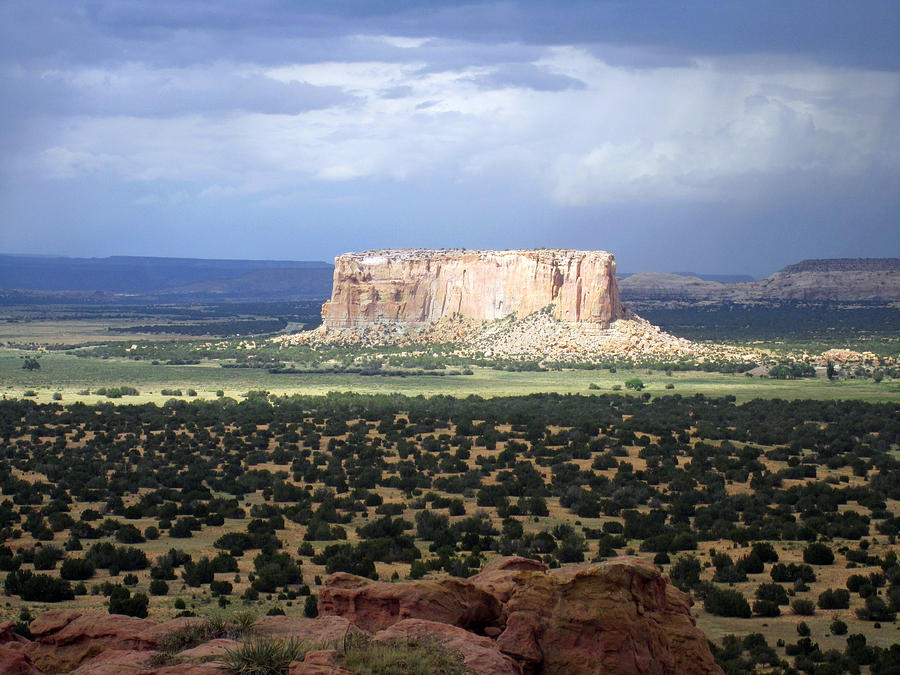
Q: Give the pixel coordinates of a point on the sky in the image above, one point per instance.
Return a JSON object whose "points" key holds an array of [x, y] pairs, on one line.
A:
{"points": [[712, 136]]}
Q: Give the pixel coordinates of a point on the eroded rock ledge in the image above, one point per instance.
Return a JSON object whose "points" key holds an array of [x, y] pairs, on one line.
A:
{"points": [[515, 617], [415, 286]]}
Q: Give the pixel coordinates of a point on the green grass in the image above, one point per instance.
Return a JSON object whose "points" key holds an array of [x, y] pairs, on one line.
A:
{"points": [[264, 657], [69, 374], [413, 656]]}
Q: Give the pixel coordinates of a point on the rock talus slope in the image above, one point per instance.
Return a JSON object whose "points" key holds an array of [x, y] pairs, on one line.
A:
{"points": [[419, 286]]}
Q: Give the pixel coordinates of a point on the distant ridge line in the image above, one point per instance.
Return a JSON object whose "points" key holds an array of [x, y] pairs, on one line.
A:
{"points": [[843, 265]]}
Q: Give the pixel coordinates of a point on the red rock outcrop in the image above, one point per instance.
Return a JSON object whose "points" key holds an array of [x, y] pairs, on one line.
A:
{"points": [[324, 629], [480, 654], [617, 617], [422, 286], [13, 661], [375, 605], [516, 617], [620, 616], [65, 639]]}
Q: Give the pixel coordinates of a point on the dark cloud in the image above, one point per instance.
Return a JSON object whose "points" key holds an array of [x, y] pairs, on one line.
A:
{"points": [[695, 132], [837, 32]]}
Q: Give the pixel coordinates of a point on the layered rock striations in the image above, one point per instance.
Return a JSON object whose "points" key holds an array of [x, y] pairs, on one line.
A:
{"points": [[421, 286]]}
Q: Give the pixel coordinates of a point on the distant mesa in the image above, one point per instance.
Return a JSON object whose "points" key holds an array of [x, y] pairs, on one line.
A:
{"points": [[836, 279], [416, 286], [540, 304]]}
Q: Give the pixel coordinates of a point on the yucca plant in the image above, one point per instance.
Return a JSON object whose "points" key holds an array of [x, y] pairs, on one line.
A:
{"points": [[405, 656], [238, 626], [264, 657]]}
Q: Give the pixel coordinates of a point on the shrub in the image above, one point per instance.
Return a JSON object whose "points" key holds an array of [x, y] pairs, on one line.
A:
{"points": [[726, 602], [106, 555], [218, 587], [634, 383], [792, 572], [838, 627], [76, 569], [875, 609], [129, 534], [311, 606], [772, 592], [122, 602], [37, 587], [829, 599], [685, 573], [765, 552], [818, 553], [159, 587], [264, 657], [766, 608], [803, 607], [46, 557]]}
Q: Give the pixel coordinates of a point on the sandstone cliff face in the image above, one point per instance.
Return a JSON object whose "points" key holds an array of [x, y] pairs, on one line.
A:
{"points": [[419, 286]]}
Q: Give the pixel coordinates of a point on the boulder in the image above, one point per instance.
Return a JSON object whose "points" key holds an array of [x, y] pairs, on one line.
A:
{"points": [[52, 621], [209, 668], [617, 617], [502, 576], [479, 653], [8, 634], [322, 629], [116, 662], [14, 661], [375, 605], [319, 662], [66, 639], [213, 649], [156, 632]]}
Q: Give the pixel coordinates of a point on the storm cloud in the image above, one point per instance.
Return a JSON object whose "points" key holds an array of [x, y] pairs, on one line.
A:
{"points": [[719, 137]]}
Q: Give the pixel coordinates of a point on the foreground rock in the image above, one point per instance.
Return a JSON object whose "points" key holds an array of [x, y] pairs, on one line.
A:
{"points": [[620, 616], [479, 653], [615, 617], [516, 617], [375, 605], [66, 639]]}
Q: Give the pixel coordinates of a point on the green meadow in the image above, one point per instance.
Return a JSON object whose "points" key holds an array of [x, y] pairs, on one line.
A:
{"points": [[68, 375]]}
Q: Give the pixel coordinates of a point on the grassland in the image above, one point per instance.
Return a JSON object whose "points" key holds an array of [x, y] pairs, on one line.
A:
{"points": [[593, 462], [68, 375]]}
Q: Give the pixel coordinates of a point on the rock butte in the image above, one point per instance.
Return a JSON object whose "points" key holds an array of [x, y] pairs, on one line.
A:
{"points": [[418, 286]]}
